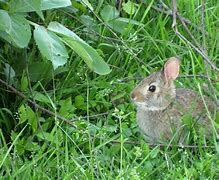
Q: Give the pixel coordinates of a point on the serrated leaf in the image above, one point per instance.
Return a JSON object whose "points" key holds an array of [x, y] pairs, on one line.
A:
{"points": [[109, 12], [85, 51], [50, 46], [27, 114], [5, 20]]}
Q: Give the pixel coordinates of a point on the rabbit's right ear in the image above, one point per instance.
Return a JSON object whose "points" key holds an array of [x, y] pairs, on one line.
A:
{"points": [[171, 69]]}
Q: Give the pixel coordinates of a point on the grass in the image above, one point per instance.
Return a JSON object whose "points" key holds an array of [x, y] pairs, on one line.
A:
{"points": [[106, 143]]}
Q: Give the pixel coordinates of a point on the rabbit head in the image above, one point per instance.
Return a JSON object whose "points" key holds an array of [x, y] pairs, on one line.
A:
{"points": [[157, 91]]}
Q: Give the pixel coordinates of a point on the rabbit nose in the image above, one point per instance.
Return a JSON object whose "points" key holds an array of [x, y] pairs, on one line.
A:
{"points": [[134, 96]]}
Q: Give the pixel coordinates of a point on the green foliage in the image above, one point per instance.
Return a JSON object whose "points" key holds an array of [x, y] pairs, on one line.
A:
{"points": [[129, 7], [90, 56], [16, 30], [50, 46], [54, 68]]}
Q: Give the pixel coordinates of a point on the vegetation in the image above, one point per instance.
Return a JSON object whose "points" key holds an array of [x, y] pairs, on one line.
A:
{"points": [[67, 70]]}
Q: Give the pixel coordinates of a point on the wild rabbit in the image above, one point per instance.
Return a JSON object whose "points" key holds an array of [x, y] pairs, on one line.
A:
{"points": [[160, 107]]}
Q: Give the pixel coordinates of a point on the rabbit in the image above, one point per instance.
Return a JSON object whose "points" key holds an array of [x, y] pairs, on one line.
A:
{"points": [[161, 106]]}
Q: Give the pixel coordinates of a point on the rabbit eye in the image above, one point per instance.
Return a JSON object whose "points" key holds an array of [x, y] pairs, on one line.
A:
{"points": [[152, 88]]}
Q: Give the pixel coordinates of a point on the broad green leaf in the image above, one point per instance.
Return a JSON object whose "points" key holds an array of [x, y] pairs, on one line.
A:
{"points": [[84, 50], [5, 20], [52, 4], [121, 24], [26, 6], [79, 48], [90, 56], [50, 46], [37, 5], [20, 33], [129, 7], [88, 21], [109, 12], [79, 101], [41, 97]]}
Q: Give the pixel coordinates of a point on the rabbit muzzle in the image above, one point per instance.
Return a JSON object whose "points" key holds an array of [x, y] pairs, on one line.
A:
{"points": [[136, 96]]}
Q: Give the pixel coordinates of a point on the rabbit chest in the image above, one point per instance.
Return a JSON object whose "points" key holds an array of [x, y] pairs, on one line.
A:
{"points": [[158, 124]]}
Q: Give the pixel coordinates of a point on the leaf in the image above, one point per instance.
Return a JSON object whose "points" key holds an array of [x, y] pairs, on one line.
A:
{"points": [[52, 4], [26, 6], [129, 7], [109, 12], [41, 97], [5, 20], [36, 5], [84, 50], [122, 24], [20, 33], [154, 153], [27, 114], [24, 83], [3, 1], [9, 73], [66, 109], [22, 114], [44, 135], [79, 101], [50, 46], [32, 120]]}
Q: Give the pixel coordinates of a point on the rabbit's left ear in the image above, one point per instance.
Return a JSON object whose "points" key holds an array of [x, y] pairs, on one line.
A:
{"points": [[171, 69]]}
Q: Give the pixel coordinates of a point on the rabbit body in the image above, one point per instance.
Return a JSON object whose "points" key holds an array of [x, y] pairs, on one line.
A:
{"points": [[164, 123], [160, 107]]}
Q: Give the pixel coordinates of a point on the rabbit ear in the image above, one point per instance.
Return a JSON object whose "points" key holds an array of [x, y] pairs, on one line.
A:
{"points": [[171, 69]]}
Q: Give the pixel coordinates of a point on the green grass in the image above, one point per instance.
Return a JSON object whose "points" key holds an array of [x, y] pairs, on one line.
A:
{"points": [[106, 143]]}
